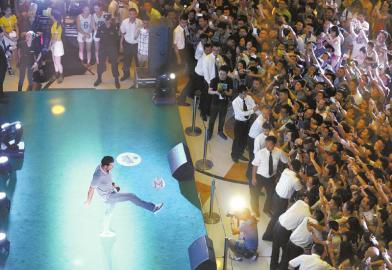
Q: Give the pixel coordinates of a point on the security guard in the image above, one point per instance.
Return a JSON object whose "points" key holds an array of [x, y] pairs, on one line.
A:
{"points": [[108, 34]]}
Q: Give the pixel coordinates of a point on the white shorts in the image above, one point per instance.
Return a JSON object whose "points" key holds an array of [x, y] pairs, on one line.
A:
{"points": [[57, 48], [95, 38], [81, 38]]}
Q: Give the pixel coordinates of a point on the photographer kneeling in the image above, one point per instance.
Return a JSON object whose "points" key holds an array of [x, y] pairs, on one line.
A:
{"points": [[244, 225]]}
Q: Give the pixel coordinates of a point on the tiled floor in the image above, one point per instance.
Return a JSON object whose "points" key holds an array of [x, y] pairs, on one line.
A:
{"points": [[218, 152]]}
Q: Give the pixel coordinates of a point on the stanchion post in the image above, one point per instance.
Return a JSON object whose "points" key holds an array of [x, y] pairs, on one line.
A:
{"points": [[211, 217], [225, 253], [204, 164], [193, 130]]}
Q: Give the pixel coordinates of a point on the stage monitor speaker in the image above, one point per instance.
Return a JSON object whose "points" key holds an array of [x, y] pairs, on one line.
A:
{"points": [[180, 162], [202, 255]]}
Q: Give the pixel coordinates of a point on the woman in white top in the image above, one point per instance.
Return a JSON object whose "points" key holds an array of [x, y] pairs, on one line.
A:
{"points": [[98, 20], [85, 33]]}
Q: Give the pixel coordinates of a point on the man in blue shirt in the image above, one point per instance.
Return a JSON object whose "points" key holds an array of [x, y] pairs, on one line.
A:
{"points": [[244, 225], [102, 182]]}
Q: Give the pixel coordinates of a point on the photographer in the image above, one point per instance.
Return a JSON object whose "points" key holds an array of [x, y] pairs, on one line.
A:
{"points": [[245, 225], [221, 89], [108, 35]]}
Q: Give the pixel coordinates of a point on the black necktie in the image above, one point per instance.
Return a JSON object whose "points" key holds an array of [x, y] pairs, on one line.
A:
{"points": [[270, 165], [245, 108]]}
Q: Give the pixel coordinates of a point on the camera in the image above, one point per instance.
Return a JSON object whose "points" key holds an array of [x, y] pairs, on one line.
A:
{"points": [[107, 16], [231, 215]]}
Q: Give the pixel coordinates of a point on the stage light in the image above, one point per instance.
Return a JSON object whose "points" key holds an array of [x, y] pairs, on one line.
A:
{"points": [[5, 204], [3, 160], [165, 91], [237, 203], [4, 164], [11, 134], [4, 244], [58, 109]]}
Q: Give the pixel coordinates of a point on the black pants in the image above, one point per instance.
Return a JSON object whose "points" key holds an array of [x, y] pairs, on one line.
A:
{"points": [[279, 207], [130, 53], [290, 252], [184, 60], [280, 238], [195, 83], [241, 129], [205, 99], [269, 185], [3, 71], [111, 54], [251, 146], [23, 66], [220, 109], [255, 192]]}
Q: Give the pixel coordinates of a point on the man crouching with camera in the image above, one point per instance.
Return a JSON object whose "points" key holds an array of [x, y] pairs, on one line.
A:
{"points": [[244, 225]]}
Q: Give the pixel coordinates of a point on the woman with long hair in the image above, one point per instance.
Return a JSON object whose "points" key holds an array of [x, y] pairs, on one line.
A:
{"points": [[56, 45]]}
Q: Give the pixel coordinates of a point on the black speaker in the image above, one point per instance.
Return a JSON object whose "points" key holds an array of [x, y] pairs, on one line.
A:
{"points": [[202, 255], [180, 162], [158, 50]]}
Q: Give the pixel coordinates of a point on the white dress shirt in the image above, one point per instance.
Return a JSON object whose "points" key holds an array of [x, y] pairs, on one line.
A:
{"points": [[199, 65], [310, 262], [261, 160], [209, 68], [294, 215], [257, 127], [238, 107], [179, 37], [259, 143], [301, 236], [288, 184], [199, 50], [130, 30]]}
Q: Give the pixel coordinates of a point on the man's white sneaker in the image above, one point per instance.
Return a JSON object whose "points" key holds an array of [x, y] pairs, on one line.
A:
{"points": [[107, 234], [254, 257], [157, 208]]}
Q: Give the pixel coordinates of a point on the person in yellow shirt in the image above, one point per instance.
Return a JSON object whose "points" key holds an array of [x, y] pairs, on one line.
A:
{"points": [[56, 45], [9, 23], [151, 12]]}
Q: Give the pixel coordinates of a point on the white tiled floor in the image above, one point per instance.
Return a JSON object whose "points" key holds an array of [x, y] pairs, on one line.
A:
{"points": [[218, 152]]}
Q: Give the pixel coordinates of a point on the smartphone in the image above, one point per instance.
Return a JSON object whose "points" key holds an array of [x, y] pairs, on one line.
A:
{"points": [[254, 31]]}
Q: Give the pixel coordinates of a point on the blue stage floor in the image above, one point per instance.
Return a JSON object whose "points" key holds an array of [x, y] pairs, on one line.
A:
{"points": [[49, 227]]}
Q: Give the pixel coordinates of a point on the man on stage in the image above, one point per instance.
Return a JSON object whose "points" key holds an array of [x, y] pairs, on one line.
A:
{"points": [[109, 191]]}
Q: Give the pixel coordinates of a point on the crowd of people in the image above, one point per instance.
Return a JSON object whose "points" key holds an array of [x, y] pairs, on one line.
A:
{"points": [[309, 82]]}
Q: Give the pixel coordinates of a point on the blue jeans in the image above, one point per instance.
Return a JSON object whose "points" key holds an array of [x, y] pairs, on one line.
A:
{"points": [[116, 197], [239, 249]]}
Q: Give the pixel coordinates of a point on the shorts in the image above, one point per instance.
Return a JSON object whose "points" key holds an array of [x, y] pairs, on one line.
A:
{"points": [[57, 48], [81, 40], [142, 60], [95, 38]]}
